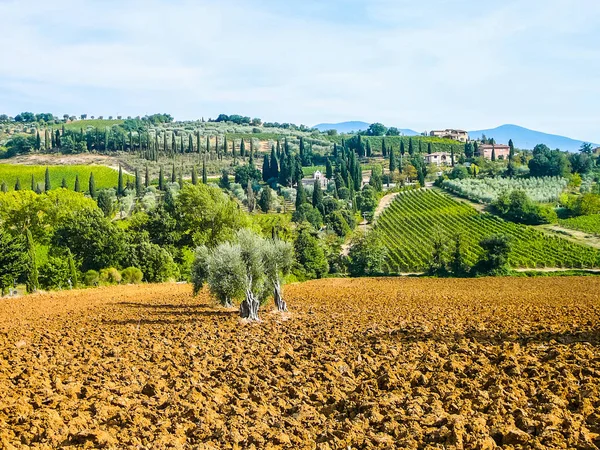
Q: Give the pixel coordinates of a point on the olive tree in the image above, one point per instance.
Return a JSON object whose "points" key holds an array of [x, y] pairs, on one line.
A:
{"points": [[244, 269], [278, 258]]}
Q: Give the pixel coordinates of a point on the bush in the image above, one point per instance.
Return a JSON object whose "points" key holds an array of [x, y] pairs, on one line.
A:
{"points": [[55, 274], [110, 276], [91, 278], [132, 275]]}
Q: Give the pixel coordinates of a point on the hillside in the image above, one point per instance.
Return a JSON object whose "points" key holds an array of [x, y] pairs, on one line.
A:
{"points": [[527, 139]]}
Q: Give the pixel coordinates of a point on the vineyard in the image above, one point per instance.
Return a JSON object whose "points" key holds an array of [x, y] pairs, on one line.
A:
{"points": [[105, 177], [486, 190], [587, 224], [408, 226]]}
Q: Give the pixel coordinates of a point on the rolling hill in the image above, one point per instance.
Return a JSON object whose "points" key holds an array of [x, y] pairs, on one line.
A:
{"points": [[527, 139]]}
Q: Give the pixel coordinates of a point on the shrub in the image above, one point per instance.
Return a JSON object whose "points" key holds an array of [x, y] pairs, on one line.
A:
{"points": [[55, 274], [91, 278], [132, 275], [110, 276]]}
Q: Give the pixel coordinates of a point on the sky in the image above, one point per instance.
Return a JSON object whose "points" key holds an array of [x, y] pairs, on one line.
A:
{"points": [[469, 64]]}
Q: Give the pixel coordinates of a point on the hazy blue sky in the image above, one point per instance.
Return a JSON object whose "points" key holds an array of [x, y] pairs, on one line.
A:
{"points": [[420, 65]]}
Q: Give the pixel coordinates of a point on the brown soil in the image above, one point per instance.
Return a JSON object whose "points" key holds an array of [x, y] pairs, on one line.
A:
{"points": [[385, 363]]}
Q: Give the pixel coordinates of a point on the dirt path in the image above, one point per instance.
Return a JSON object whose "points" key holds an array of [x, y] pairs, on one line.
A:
{"points": [[576, 236], [365, 226]]}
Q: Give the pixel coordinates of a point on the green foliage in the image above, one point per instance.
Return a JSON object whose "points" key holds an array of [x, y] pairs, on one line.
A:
{"points": [[407, 228], [587, 204], [265, 200], [110, 276], [94, 241], [310, 254], [13, 260], [516, 206], [367, 255], [55, 273], [494, 260], [155, 262], [132, 275], [31, 282], [207, 216], [107, 202], [548, 163], [91, 278]]}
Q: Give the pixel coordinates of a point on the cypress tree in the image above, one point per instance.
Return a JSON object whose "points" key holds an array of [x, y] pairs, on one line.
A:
{"points": [[4, 187], [411, 150], [106, 139], [208, 145], [161, 179], [77, 188], [402, 151], [317, 198], [72, 270], [38, 140], [180, 178], [233, 149], [57, 138], [165, 146], [476, 149], [429, 148], [493, 153], [147, 177], [242, 149], [92, 186], [283, 172], [266, 170], [33, 184], [392, 161], [368, 153], [47, 185], [300, 195], [46, 139], [251, 160], [452, 156], [120, 187], [204, 176], [130, 141], [511, 153], [138, 183], [38, 189], [194, 176], [173, 174], [181, 146], [335, 150], [31, 282], [420, 147], [273, 165], [52, 139], [190, 144], [18, 185], [198, 142], [383, 148], [64, 183], [173, 146], [225, 145], [328, 169]]}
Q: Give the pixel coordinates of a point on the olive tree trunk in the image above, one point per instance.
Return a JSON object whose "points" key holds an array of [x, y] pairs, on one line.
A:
{"points": [[278, 296], [249, 307]]}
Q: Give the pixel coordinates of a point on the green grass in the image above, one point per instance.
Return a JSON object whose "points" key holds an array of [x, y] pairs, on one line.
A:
{"points": [[105, 177], [85, 124], [266, 222], [408, 226], [309, 171], [587, 224]]}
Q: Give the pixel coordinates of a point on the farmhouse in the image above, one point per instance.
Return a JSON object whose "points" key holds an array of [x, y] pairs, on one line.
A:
{"points": [[318, 175], [502, 151], [456, 135], [438, 158]]}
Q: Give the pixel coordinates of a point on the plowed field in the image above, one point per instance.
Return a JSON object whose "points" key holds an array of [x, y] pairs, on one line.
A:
{"points": [[386, 363]]}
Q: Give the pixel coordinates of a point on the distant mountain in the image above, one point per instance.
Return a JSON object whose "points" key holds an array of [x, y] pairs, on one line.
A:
{"points": [[527, 139], [348, 127]]}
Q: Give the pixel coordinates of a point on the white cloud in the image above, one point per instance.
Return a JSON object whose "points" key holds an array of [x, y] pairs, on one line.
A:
{"points": [[425, 65]]}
